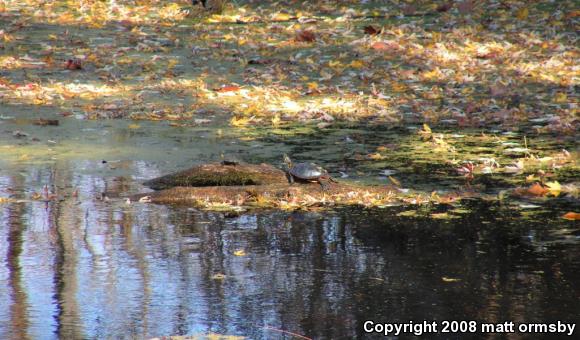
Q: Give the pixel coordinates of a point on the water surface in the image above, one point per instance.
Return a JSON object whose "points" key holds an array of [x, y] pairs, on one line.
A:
{"points": [[80, 267]]}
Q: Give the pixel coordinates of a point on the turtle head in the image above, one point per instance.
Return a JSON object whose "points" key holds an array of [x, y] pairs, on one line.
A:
{"points": [[287, 161]]}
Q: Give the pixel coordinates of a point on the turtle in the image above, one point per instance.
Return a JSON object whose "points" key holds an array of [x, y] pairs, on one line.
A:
{"points": [[230, 160], [307, 172]]}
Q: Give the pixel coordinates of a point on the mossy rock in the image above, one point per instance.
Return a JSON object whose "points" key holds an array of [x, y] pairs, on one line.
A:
{"points": [[218, 174]]}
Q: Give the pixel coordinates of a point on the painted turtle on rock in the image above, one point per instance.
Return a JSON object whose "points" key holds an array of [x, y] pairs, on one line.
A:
{"points": [[307, 172]]}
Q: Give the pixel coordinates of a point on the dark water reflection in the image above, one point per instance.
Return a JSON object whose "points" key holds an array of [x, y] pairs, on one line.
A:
{"points": [[82, 269]]}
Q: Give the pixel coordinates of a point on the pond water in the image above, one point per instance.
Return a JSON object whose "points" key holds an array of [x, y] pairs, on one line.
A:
{"points": [[83, 267]]}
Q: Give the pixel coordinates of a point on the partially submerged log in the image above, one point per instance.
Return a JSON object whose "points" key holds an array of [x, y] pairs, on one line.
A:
{"points": [[218, 174], [279, 195]]}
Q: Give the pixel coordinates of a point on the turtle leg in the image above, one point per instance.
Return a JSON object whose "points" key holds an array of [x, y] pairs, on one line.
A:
{"points": [[324, 185], [290, 178]]}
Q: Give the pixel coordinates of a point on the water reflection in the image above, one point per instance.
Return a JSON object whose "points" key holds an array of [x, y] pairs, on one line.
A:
{"points": [[80, 268]]}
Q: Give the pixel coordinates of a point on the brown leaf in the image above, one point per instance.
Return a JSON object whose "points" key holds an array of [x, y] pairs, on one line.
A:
{"points": [[409, 10], [45, 122], [445, 7], [371, 30], [465, 7], [498, 90], [73, 64], [259, 61], [305, 36]]}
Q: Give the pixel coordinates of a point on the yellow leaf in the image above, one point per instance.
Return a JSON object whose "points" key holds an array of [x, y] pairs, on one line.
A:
{"points": [[399, 87], [276, 120], [7, 37], [394, 181], [408, 213], [171, 63], [554, 188], [4, 200], [239, 121], [240, 252], [281, 17], [334, 64], [560, 97], [357, 64], [522, 13], [376, 156], [436, 36], [134, 126], [312, 86]]}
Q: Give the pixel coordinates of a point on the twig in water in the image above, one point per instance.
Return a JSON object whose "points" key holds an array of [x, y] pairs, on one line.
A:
{"points": [[286, 332]]}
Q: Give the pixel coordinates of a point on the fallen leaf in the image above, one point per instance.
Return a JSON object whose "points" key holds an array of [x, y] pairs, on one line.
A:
{"points": [[305, 36], [371, 30], [465, 7], [537, 189], [522, 13], [240, 252], [394, 181], [445, 7], [449, 279], [554, 187], [73, 64], [572, 216], [384, 46], [227, 88]]}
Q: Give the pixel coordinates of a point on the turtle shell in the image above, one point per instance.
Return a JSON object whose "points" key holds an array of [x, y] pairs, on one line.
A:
{"points": [[308, 171]]}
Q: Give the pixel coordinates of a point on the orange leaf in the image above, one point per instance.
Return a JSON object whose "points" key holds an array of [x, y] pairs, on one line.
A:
{"points": [[537, 190], [227, 88], [573, 216], [381, 46]]}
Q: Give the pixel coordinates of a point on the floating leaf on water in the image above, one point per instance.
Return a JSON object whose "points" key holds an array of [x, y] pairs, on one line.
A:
{"points": [[528, 206], [387, 172], [443, 216], [554, 188], [449, 279], [408, 213], [461, 211], [516, 151], [537, 189], [240, 252], [218, 276], [572, 216], [145, 199], [394, 181]]}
